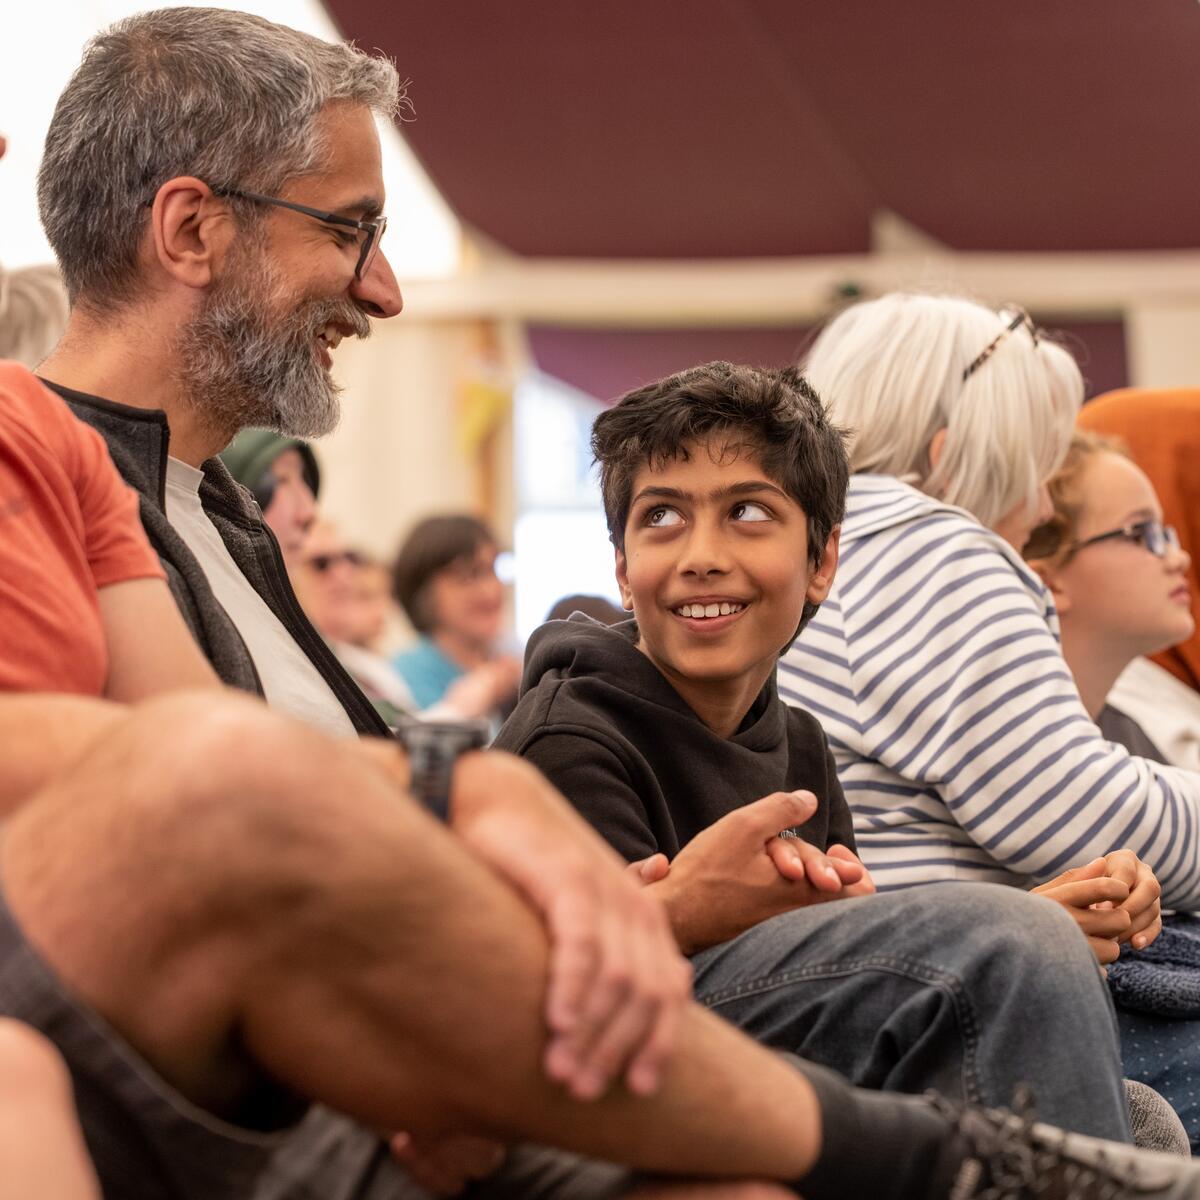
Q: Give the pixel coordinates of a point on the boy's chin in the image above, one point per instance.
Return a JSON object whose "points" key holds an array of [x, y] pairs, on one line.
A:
{"points": [[702, 665]]}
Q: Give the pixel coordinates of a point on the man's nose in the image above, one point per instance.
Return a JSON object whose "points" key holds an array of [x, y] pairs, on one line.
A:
{"points": [[378, 293]]}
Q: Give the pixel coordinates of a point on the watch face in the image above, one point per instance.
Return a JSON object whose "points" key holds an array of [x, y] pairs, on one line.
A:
{"points": [[451, 737]]}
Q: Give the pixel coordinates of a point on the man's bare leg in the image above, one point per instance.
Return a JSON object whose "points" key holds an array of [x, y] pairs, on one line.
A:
{"points": [[42, 1155], [215, 877]]}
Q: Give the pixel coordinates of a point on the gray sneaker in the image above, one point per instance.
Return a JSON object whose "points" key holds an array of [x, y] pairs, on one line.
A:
{"points": [[1012, 1157]]}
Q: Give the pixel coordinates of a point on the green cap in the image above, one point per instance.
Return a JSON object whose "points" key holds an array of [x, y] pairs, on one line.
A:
{"points": [[250, 455]]}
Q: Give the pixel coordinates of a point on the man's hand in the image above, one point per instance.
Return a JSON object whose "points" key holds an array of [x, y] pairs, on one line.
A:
{"points": [[1142, 905], [617, 983], [1096, 900], [738, 872], [446, 1165]]}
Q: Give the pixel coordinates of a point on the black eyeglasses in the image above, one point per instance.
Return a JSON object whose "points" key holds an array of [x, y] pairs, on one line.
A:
{"points": [[373, 229], [325, 562], [1153, 535], [1020, 318]]}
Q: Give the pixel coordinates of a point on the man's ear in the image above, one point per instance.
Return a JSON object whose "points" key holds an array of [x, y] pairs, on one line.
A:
{"points": [[192, 230], [821, 580], [623, 581], [1051, 576]]}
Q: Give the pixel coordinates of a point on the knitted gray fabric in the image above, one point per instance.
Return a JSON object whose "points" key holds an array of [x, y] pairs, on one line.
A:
{"points": [[1155, 1123]]}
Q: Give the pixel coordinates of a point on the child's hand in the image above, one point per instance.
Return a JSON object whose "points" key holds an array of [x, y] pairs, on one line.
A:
{"points": [[727, 878], [1143, 906], [838, 873], [1096, 900]]}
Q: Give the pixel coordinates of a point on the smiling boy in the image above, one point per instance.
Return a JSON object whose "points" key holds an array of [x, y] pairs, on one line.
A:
{"points": [[723, 489]]}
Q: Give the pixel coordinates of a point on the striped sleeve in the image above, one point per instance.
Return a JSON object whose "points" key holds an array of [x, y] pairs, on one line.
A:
{"points": [[962, 744]]}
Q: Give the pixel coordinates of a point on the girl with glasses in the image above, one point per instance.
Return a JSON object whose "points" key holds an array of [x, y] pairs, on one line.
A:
{"points": [[1120, 581], [1118, 575], [1162, 432]]}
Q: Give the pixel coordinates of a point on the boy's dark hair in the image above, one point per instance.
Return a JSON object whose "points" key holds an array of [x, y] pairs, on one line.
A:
{"points": [[432, 546], [773, 414]]}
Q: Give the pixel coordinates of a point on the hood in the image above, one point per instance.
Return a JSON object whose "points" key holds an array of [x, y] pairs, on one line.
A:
{"points": [[876, 502], [609, 666], [879, 502], [582, 646]]}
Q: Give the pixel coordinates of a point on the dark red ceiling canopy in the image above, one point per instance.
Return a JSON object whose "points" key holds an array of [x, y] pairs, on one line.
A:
{"points": [[701, 128]]}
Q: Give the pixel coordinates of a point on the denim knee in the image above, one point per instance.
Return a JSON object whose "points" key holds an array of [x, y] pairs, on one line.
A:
{"points": [[1032, 935]]}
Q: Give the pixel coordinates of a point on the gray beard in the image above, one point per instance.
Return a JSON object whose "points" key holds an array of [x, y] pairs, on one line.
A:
{"points": [[241, 367]]}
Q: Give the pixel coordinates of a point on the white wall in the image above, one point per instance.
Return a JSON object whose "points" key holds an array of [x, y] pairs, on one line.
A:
{"points": [[1163, 340]]}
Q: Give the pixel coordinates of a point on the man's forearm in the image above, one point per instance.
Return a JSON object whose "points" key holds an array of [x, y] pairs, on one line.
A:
{"points": [[40, 734]]}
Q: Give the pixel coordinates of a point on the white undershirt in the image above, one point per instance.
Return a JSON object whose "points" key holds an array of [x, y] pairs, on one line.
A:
{"points": [[290, 681]]}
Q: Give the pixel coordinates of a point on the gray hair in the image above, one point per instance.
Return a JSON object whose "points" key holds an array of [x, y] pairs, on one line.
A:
{"points": [[892, 371], [226, 96]]}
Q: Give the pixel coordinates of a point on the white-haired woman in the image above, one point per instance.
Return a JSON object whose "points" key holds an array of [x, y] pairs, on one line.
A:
{"points": [[935, 666]]}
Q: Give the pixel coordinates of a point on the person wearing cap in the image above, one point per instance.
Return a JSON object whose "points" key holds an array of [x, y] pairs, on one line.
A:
{"points": [[284, 478]]}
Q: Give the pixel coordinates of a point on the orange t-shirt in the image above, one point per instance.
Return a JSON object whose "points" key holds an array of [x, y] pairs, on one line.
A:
{"points": [[68, 526]]}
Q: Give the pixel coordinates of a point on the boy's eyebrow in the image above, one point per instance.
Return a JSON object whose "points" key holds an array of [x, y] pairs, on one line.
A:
{"points": [[745, 488]]}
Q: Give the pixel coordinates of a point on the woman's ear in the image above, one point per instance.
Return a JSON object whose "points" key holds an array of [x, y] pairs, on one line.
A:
{"points": [[937, 447], [1051, 575]]}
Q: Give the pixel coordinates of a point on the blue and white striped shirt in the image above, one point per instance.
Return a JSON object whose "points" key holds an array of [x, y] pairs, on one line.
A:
{"points": [[960, 739]]}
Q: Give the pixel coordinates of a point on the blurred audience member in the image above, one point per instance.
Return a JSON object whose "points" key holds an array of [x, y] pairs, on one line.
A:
{"points": [[445, 580], [33, 309], [595, 607], [1162, 431], [327, 579], [283, 476], [347, 595]]}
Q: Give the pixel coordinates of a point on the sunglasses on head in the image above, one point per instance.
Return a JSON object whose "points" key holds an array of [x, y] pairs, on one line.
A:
{"points": [[1019, 318]]}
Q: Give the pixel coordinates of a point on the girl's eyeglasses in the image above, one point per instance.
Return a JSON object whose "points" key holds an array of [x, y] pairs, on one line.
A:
{"points": [[1156, 537]]}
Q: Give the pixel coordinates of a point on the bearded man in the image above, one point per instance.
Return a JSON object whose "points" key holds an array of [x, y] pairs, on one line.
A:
{"points": [[218, 228]]}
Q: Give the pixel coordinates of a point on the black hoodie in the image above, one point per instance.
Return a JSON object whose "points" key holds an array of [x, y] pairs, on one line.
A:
{"points": [[607, 729]]}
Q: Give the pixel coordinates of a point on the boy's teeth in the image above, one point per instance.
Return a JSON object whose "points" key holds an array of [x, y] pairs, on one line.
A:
{"points": [[699, 611]]}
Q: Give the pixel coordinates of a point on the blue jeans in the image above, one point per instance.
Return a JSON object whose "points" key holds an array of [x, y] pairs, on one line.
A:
{"points": [[969, 989]]}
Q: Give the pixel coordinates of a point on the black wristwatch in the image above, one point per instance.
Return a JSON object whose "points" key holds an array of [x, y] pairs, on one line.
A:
{"points": [[433, 749]]}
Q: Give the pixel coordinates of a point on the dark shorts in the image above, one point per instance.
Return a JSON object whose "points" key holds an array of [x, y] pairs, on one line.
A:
{"points": [[333, 1158], [148, 1142]]}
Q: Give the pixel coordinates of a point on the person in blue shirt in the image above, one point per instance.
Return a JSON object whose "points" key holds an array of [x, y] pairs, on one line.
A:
{"points": [[445, 580]]}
